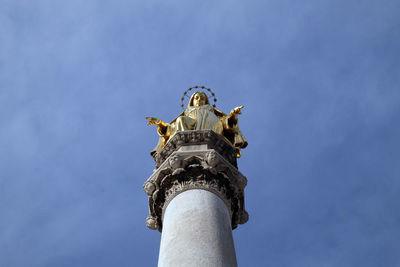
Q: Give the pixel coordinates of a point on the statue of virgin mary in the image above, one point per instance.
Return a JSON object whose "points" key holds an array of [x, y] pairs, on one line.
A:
{"points": [[200, 115]]}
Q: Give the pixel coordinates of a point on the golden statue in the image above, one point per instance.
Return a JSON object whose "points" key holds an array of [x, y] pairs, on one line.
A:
{"points": [[200, 115]]}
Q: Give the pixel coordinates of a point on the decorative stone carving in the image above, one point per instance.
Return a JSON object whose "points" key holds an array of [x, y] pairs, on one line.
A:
{"points": [[149, 188], [176, 163], [151, 222], [209, 137], [185, 163]]}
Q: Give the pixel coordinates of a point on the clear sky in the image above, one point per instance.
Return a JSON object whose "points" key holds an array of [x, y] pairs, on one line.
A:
{"points": [[319, 80]]}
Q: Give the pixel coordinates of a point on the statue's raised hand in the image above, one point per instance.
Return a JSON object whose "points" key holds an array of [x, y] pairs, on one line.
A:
{"points": [[154, 121], [237, 111]]}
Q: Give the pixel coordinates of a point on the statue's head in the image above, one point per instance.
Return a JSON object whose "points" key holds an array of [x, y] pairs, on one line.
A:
{"points": [[198, 99], [212, 158], [175, 161]]}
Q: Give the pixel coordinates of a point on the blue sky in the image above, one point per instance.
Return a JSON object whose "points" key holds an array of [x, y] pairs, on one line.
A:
{"points": [[320, 84]]}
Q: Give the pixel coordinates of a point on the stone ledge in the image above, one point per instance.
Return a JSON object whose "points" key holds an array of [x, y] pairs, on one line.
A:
{"points": [[197, 137]]}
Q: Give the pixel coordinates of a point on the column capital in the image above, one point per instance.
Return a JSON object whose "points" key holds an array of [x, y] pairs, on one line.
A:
{"points": [[196, 160]]}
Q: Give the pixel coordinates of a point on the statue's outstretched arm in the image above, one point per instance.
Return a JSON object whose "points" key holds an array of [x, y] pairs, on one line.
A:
{"points": [[162, 126], [232, 117]]}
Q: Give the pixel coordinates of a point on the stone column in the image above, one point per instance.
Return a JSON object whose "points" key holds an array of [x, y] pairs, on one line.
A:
{"points": [[197, 232], [196, 198]]}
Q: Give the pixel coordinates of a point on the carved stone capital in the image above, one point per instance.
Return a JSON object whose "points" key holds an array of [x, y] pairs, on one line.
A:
{"points": [[196, 165]]}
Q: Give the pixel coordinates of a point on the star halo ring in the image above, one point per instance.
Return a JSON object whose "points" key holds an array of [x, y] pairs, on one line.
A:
{"points": [[210, 95]]}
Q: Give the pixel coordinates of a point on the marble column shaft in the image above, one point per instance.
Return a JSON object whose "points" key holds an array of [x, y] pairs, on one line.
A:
{"points": [[197, 232]]}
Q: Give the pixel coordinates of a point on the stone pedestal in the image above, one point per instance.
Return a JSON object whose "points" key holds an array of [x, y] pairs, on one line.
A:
{"points": [[196, 196]]}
